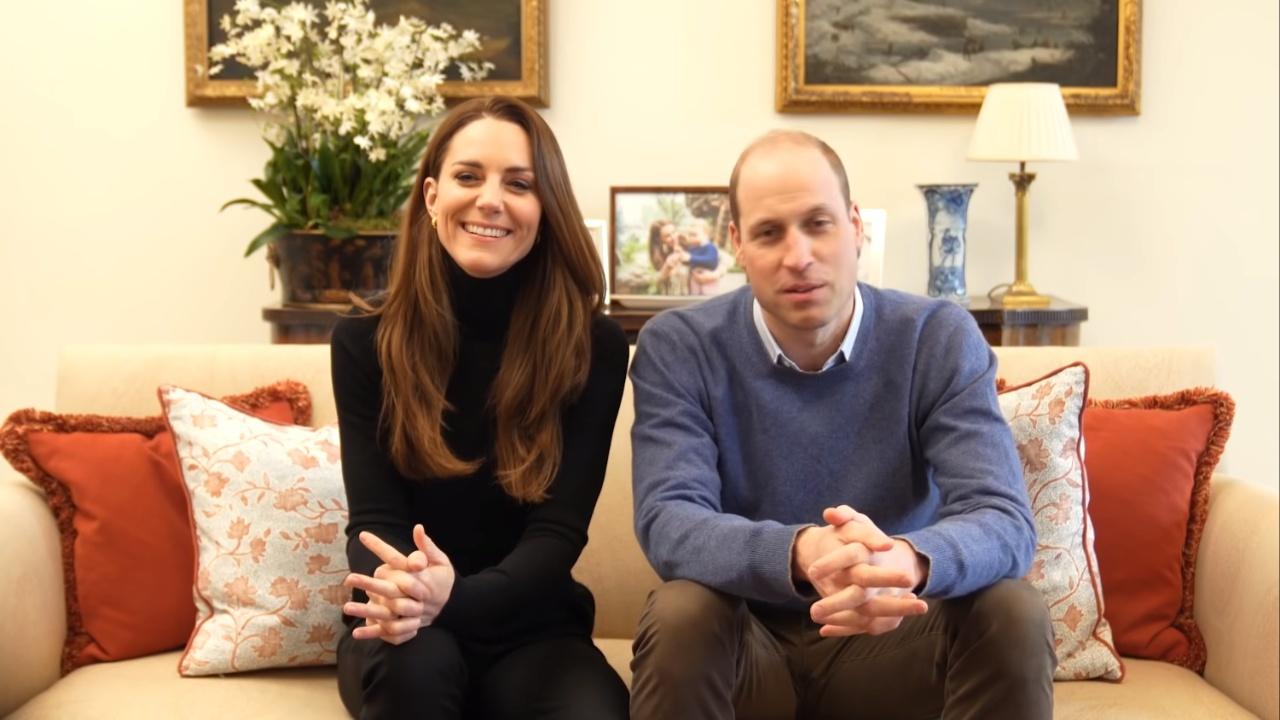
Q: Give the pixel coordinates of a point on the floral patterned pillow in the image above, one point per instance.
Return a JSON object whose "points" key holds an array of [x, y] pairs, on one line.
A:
{"points": [[1044, 416], [269, 511]]}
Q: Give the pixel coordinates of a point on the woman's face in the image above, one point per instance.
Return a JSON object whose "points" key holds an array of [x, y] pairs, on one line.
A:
{"points": [[668, 235], [485, 201]]}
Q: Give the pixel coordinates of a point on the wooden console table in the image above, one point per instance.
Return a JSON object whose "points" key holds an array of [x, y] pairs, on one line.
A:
{"points": [[309, 326], [1058, 324], [301, 326]]}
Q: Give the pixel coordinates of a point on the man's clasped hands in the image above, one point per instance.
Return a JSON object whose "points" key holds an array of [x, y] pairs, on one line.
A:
{"points": [[865, 577]]}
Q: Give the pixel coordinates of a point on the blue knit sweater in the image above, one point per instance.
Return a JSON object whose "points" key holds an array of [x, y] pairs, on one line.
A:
{"points": [[733, 454]]}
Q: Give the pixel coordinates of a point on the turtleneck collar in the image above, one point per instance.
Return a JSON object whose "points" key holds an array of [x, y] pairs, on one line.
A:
{"points": [[483, 306]]}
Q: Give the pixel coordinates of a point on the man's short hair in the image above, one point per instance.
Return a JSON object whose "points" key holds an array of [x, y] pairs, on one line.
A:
{"points": [[799, 137]]}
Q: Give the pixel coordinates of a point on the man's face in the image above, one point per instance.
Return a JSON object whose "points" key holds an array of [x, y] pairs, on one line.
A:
{"points": [[798, 240]]}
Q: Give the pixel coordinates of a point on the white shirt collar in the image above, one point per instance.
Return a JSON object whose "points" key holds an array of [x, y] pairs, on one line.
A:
{"points": [[842, 354]]}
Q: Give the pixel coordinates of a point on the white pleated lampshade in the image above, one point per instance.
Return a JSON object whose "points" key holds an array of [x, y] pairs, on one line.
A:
{"points": [[1023, 122]]}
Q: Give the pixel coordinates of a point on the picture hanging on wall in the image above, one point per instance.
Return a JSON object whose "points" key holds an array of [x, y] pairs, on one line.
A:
{"points": [[670, 246], [513, 35], [871, 261], [939, 55], [599, 230]]}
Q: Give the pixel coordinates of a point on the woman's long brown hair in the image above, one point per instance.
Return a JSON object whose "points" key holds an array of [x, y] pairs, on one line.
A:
{"points": [[548, 347]]}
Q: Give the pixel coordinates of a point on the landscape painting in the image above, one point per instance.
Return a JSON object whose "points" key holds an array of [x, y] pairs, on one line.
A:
{"points": [[936, 52]]}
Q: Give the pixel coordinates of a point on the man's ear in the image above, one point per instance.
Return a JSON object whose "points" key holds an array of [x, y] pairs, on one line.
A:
{"points": [[736, 239], [855, 219]]}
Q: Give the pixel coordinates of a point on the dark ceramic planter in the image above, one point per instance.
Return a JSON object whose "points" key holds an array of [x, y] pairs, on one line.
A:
{"points": [[316, 270]]}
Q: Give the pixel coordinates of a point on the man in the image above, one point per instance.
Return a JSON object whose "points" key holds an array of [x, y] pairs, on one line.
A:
{"points": [[824, 479]]}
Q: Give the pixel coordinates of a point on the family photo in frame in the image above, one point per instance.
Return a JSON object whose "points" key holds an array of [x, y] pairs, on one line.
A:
{"points": [[670, 245]]}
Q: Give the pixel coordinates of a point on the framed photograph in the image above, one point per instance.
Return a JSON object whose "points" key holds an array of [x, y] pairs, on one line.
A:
{"points": [[599, 230], [514, 33], [939, 55], [871, 262], [670, 246]]}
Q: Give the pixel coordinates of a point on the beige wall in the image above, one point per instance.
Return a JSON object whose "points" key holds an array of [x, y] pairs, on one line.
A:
{"points": [[1166, 227]]}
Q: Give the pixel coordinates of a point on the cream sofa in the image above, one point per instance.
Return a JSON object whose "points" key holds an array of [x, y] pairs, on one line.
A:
{"points": [[1236, 580]]}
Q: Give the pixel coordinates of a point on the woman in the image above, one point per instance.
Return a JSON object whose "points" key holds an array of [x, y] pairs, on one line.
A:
{"points": [[476, 405], [668, 258]]}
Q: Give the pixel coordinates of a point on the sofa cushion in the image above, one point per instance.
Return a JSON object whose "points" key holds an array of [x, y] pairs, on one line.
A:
{"points": [[1044, 416], [1151, 691], [269, 510], [113, 486], [150, 687], [1162, 449]]}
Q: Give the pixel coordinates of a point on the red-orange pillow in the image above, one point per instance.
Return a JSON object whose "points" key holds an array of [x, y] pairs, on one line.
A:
{"points": [[114, 487], [1149, 462]]}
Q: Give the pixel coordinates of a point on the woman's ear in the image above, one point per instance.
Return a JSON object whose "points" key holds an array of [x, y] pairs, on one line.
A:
{"points": [[429, 193]]}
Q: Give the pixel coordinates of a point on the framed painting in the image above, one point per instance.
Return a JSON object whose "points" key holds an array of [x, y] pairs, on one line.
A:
{"points": [[670, 246], [871, 262], [939, 55], [514, 33], [599, 231]]}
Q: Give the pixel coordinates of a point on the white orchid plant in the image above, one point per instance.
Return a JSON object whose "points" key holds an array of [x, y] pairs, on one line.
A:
{"points": [[346, 97]]}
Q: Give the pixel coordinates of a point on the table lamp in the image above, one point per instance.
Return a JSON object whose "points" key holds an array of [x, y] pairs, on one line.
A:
{"points": [[1022, 122]]}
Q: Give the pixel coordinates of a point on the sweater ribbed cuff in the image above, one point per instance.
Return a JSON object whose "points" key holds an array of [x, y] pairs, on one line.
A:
{"points": [[934, 546]]}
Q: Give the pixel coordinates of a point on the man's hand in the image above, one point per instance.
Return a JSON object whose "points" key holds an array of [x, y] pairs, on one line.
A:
{"points": [[865, 581], [853, 541], [405, 593]]}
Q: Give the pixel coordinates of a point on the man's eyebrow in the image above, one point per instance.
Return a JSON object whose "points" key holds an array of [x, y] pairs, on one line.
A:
{"points": [[815, 209]]}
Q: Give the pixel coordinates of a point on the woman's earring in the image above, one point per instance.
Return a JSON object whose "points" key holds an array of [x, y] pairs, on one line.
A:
{"points": [[434, 223]]}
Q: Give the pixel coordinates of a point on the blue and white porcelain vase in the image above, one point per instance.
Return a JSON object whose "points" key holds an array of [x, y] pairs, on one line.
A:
{"points": [[948, 216]]}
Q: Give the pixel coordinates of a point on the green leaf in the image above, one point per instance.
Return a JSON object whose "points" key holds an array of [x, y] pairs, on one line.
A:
{"points": [[254, 203], [269, 235], [327, 167], [272, 191], [337, 232], [317, 206]]}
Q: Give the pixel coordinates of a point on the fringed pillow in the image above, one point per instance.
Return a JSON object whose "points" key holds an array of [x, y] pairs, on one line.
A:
{"points": [[115, 492], [1150, 462]]}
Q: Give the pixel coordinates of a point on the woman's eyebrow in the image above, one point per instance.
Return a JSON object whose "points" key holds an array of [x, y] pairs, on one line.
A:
{"points": [[479, 166]]}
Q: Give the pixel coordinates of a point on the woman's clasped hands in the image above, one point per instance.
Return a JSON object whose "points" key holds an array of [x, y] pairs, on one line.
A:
{"points": [[406, 592]]}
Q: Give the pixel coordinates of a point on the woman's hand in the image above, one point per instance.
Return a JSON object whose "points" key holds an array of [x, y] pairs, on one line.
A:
{"points": [[405, 593]]}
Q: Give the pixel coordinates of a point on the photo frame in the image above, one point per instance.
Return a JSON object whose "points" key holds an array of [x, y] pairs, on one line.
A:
{"points": [[669, 246], [599, 231], [927, 56], [871, 262], [515, 32]]}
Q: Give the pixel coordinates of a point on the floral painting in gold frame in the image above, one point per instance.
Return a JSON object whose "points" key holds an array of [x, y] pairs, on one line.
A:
{"points": [[939, 55], [514, 33]]}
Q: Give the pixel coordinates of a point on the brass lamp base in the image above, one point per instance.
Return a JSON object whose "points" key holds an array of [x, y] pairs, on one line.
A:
{"points": [[1021, 295]]}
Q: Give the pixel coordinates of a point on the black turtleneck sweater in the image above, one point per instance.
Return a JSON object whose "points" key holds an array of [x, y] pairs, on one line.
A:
{"points": [[512, 560]]}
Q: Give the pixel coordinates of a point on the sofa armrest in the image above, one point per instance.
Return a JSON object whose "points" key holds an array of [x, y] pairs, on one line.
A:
{"points": [[1238, 594], [32, 600]]}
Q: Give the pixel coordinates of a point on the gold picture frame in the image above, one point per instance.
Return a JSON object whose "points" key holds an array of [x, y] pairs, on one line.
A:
{"points": [[531, 86], [794, 92]]}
